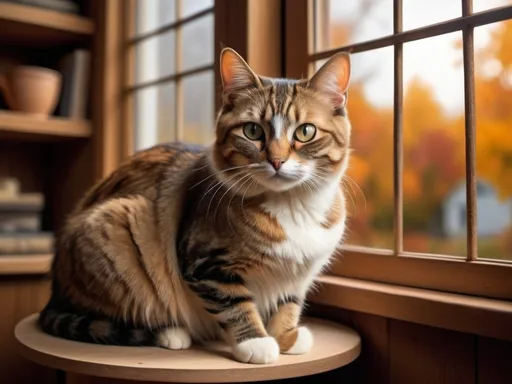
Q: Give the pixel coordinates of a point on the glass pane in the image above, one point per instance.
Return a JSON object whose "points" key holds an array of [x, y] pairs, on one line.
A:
{"points": [[198, 42], [155, 113], [482, 5], [418, 13], [434, 159], [193, 6], [493, 88], [152, 14], [199, 104], [369, 182], [338, 23], [155, 57]]}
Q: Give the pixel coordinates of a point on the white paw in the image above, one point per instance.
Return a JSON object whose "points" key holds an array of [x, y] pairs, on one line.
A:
{"points": [[174, 338], [303, 344], [262, 350]]}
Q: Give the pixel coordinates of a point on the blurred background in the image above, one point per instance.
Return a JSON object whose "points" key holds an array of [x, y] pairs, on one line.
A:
{"points": [[85, 83]]}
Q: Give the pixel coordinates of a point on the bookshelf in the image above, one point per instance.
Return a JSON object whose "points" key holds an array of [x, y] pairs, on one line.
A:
{"points": [[29, 24], [24, 126], [58, 156]]}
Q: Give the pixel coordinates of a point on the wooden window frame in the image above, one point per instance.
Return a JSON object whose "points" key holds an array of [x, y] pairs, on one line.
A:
{"points": [[129, 87], [468, 276]]}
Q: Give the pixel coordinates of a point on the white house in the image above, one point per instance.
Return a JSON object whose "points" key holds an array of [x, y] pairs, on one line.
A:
{"points": [[493, 215]]}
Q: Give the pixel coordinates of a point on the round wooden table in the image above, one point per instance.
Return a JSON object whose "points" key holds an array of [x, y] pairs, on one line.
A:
{"points": [[335, 346]]}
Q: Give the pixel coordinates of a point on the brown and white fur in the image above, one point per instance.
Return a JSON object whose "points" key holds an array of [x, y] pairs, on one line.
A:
{"points": [[183, 244]]}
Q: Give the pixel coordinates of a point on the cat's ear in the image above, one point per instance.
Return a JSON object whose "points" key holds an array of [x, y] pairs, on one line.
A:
{"points": [[333, 78], [236, 74]]}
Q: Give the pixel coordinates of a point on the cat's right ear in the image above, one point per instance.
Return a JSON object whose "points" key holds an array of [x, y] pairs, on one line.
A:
{"points": [[236, 75]]}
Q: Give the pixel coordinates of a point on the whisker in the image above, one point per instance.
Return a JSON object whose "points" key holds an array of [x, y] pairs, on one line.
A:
{"points": [[220, 182], [243, 197], [216, 173], [217, 190], [224, 194], [358, 187], [230, 200]]}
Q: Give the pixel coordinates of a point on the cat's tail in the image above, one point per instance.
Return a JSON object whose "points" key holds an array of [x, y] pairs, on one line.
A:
{"points": [[66, 322]]}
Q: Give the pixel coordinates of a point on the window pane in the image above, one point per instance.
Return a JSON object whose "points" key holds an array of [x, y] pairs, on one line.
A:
{"points": [[434, 158], [155, 57], [493, 86], [418, 13], [193, 6], [155, 113], [198, 42], [152, 14], [369, 182], [482, 5], [338, 23], [198, 93]]}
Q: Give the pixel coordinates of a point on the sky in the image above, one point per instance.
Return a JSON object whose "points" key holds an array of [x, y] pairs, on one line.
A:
{"points": [[433, 60]]}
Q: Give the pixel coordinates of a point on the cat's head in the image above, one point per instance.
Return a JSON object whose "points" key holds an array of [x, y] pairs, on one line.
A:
{"points": [[281, 134]]}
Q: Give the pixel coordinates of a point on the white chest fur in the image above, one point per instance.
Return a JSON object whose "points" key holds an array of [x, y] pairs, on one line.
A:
{"points": [[308, 242], [301, 220]]}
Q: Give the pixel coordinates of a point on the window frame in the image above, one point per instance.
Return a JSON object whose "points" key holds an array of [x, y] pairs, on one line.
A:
{"points": [[470, 276], [129, 87]]}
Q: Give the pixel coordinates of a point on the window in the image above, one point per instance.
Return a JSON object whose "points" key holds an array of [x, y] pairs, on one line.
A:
{"points": [[172, 85], [431, 122]]}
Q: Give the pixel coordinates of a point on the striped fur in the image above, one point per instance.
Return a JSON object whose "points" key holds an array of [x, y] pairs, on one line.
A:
{"points": [[184, 243]]}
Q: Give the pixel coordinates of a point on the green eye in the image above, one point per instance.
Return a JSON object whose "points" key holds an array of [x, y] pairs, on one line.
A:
{"points": [[253, 131], [305, 133]]}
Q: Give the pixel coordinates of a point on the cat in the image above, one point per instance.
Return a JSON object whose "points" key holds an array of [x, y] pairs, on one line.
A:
{"points": [[184, 243]]}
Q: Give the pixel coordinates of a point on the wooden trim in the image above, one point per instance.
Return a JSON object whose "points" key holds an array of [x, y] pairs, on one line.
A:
{"points": [[470, 130], [398, 142], [475, 20], [25, 264], [484, 317], [231, 20], [108, 91], [178, 85], [128, 101], [166, 79], [176, 25], [454, 275], [297, 19], [264, 37]]}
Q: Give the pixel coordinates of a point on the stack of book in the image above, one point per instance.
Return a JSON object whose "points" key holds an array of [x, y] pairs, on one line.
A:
{"points": [[20, 221]]}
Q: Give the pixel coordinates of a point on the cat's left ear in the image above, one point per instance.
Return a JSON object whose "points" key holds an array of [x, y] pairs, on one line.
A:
{"points": [[333, 78], [236, 74]]}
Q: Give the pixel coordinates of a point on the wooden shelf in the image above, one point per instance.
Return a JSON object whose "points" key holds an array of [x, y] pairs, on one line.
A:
{"points": [[25, 264], [19, 125], [334, 346], [24, 24]]}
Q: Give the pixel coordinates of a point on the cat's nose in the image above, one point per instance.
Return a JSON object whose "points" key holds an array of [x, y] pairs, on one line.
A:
{"points": [[276, 163]]}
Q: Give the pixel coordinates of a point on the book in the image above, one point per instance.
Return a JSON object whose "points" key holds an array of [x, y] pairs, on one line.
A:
{"points": [[74, 68], [24, 202], [26, 243], [20, 222]]}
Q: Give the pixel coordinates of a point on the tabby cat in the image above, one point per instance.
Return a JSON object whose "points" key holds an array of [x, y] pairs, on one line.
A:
{"points": [[183, 243]]}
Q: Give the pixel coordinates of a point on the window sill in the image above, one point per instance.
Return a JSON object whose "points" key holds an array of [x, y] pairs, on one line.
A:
{"points": [[481, 316]]}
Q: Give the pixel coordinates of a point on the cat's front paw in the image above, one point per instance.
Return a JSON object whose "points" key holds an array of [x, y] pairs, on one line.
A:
{"points": [[174, 338], [300, 341], [261, 350]]}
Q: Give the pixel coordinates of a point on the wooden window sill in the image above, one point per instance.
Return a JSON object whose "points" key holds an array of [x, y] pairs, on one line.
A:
{"points": [[481, 316]]}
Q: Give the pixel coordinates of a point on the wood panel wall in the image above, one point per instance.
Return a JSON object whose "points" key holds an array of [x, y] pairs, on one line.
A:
{"points": [[399, 352], [21, 296]]}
